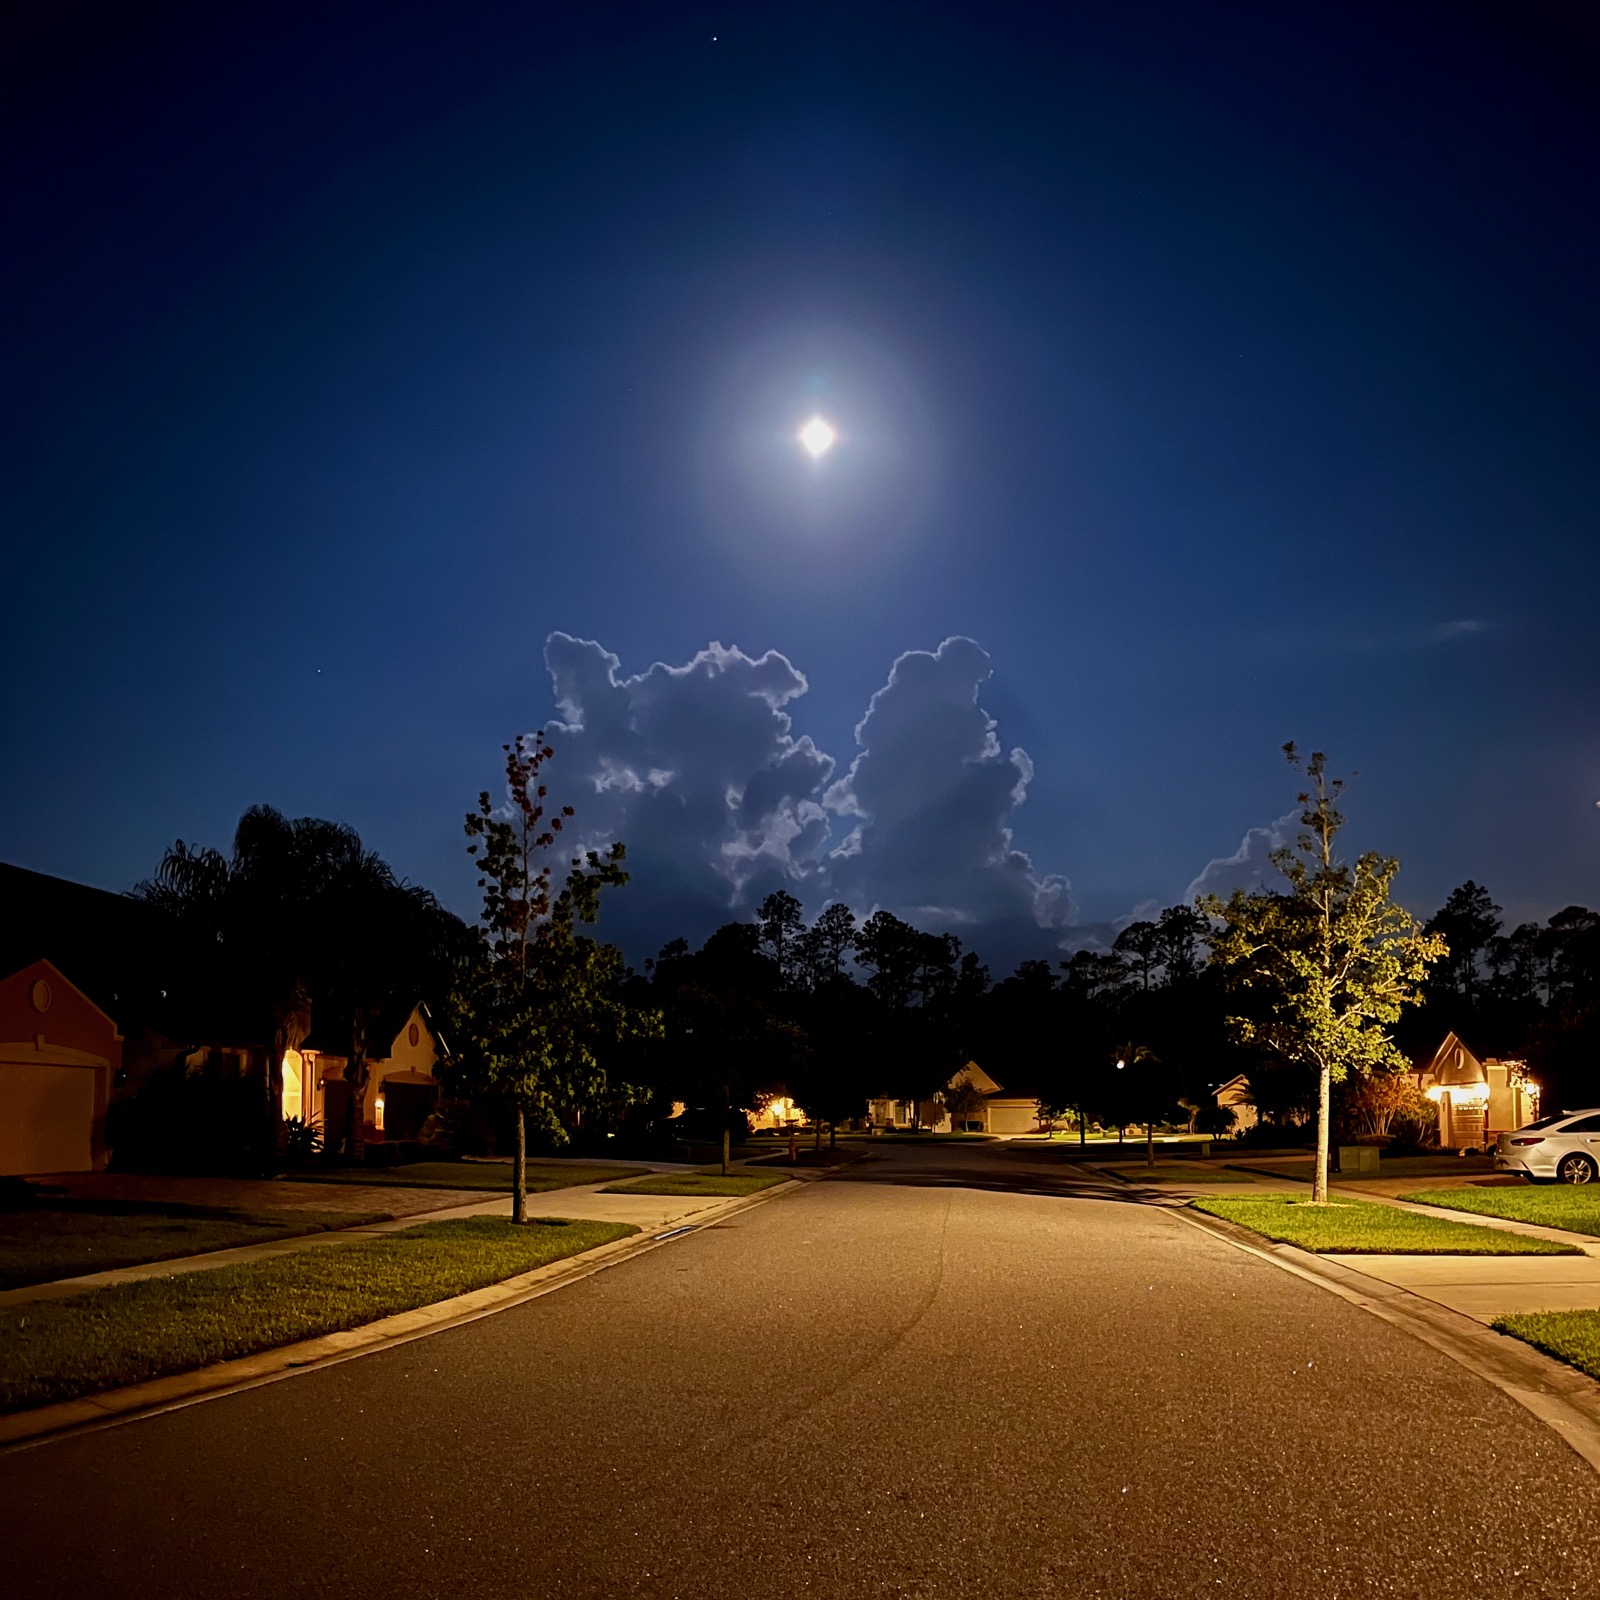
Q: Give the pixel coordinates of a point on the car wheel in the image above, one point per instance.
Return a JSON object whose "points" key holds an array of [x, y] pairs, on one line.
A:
{"points": [[1575, 1169]]}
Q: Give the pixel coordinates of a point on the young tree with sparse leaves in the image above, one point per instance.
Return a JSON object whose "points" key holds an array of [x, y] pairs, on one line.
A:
{"points": [[963, 1099], [540, 1003], [1332, 957]]}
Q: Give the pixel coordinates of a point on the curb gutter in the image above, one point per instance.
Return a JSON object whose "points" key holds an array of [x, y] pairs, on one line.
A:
{"points": [[89, 1413], [1564, 1399]]}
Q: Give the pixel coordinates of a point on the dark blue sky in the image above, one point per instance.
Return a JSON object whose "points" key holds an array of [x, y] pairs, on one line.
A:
{"points": [[1228, 374]]}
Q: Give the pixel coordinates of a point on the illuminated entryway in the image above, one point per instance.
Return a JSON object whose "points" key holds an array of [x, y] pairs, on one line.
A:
{"points": [[1477, 1100], [298, 1071]]}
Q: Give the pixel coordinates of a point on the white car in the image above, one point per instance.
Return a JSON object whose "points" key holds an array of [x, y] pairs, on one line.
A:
{"points": [[1565, 1147]]}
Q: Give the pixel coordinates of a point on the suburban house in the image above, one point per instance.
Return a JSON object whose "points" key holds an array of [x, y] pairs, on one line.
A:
{"points": [[157, 1018], [59, 1055], [1477, 1100], [1234, 1096], [1000, 1113], [401, 1092]]}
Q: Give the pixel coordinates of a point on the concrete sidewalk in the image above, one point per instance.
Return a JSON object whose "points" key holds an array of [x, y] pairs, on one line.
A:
{"points": [[1486, 1287], [648, 1213]]}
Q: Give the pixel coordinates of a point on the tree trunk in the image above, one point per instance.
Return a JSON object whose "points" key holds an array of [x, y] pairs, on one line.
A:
{"points": [[1083, 1130], [1149, 1144], [816, 1144], [519, 1172], [727, 1112], [271, 1135], [356, 1075], [1319, 1183], [833, 1137]]}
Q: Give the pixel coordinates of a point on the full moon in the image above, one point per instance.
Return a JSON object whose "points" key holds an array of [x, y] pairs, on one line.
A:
{"points": [[818, 437]]}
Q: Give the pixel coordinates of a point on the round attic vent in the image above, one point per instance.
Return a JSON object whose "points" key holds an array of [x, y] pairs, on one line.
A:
{"points": [[39, 994]]}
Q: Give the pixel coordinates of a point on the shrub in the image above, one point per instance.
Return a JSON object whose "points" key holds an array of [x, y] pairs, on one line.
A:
{"points": [[1273, 1135], [1370, 1106], [302, 1142]]}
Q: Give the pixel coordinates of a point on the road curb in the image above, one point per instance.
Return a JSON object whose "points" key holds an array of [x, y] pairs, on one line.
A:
{"points": [[1564, 1399], [21, 1430]]}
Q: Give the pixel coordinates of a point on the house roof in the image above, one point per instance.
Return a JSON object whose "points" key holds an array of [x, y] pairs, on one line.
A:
{"points": [[1453, 1064], [51, 994], [975, 1075], [117, 950], [330, 1030]]}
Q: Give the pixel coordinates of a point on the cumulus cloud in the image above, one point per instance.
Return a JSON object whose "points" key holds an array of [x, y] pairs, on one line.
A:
{"points": [[931, 794], [698, 768], [1250, 865]]}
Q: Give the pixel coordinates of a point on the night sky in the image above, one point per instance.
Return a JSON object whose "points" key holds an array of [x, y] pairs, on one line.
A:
{"points": [[386, 382]]}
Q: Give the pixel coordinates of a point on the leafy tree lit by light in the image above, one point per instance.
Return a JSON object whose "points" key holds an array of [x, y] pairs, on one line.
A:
{"points": [[1330, 962]]}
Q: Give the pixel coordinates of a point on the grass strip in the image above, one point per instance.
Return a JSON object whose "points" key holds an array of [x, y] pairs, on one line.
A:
{"points": [[40, 1246], [129, 1332], [1359, 1227], [1570, 1336], [699, 1183], [1577, 1209], [495, 1176]]}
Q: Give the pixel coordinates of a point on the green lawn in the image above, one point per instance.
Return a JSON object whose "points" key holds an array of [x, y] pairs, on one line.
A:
{"points": [[1570, 1336], [105, 1338], [51, 1242], [707, 1183], [1574, 1207], [493, 1175], [1359, 1227]]}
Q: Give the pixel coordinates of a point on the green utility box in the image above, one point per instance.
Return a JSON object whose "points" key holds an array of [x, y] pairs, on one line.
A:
{"points": [[1358, 1158]]}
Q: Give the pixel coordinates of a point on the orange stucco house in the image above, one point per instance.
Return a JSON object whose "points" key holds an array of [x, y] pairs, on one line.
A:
{"points": [[58, 1055]]}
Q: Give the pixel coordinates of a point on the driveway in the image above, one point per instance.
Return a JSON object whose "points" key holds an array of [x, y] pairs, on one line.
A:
{"points": [[258, 1194]]}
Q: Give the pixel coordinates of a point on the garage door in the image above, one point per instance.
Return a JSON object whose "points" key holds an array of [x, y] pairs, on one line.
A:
{"points": [[1017, 1116], [46, 1118]]}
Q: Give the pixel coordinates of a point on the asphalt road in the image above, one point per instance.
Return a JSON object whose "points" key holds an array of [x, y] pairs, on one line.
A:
{"points": [[914, 1382]]}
